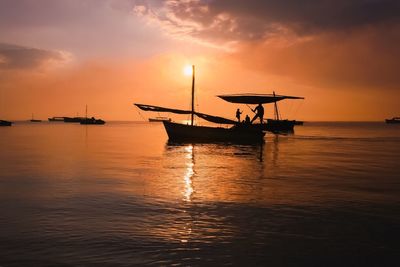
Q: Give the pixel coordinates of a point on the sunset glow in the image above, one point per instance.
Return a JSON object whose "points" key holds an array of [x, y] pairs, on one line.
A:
{"points": [[54, 63]]}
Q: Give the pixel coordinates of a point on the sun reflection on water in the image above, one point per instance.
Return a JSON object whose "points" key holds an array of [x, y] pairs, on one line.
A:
{"points": [[189, 190]]}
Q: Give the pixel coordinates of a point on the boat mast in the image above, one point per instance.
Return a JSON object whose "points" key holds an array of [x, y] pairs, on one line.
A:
{"points": [[192, 113], [86, 111], [276, 109]]}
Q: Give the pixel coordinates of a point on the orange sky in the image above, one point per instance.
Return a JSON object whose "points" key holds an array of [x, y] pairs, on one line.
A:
{"points": [[58, 56]]}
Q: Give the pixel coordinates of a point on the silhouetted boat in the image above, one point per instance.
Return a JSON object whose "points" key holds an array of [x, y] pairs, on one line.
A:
{"points": [[34, 120], [73, 119], [195, 133], [275, 125], [393, 120], [159, 119], [56, 119], [5, 123], [236, 134], [92, 121]]}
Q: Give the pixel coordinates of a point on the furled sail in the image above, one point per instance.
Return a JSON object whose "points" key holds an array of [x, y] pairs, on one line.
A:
{"points": [[162, 109], [215, 119], [210, 118], [256, 98]]}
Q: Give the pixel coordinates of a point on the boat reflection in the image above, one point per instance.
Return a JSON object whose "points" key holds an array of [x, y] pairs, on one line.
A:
{"points": [[212, 172]]}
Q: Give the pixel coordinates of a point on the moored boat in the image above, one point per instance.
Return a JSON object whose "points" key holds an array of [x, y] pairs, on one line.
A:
{"points": [[34, 120], [92, 120], [56, 119], [5, 123], [393, 120], [73, 119]]}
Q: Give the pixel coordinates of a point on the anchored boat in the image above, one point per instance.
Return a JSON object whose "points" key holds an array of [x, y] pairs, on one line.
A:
{"points": [[73, 119], [92, 120], [5, 123], [34, 120], [56, 119], [393, 120]]}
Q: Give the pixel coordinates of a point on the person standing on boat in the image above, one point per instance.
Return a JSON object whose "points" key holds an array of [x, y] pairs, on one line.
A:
{"points": [[259, 110], [247, 120], [238, 112]]}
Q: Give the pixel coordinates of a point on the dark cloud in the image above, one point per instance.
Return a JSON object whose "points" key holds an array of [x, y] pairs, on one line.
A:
{"points": [[237, 20], [20, 57], [337, 44], [361, 59]]}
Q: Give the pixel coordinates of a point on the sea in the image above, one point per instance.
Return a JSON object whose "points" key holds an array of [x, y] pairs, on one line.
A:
{"points": [[121, 194]]}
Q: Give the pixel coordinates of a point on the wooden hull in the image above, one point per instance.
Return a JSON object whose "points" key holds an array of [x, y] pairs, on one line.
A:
{"points": [[277, 126], [5, 123], [242, 134]]}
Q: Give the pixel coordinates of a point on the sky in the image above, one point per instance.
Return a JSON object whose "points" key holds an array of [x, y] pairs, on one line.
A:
{"points": [[56, 57]]}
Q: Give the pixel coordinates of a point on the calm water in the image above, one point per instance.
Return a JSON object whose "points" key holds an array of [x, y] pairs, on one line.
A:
{"points": [[120, 195]]}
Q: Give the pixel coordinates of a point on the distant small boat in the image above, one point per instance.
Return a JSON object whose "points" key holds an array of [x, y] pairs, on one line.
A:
{"points": [[159, 119], [34, 120], [92, 120], [5, 123], [74, 119], [60, 119], [393, 120]]}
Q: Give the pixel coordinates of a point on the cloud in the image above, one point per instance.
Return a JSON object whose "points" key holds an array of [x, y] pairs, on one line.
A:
{"points": [[88, 29], [224, 21], [360, 60], [336, 44], [19, 57]]}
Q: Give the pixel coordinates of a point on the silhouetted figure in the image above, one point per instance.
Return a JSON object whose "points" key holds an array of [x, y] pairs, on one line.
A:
{"points": [[238, 112], [259, 113], [247, 120]]}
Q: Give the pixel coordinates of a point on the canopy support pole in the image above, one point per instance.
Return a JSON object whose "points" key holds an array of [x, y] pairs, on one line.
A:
{"points": [[276, 109]]}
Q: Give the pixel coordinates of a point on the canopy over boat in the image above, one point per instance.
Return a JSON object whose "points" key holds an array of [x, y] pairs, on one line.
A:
{"points": [[256, 98], [210, 118]]}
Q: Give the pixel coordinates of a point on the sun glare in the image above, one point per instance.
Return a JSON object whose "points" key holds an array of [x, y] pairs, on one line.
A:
{"points": [[187, 70]]}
